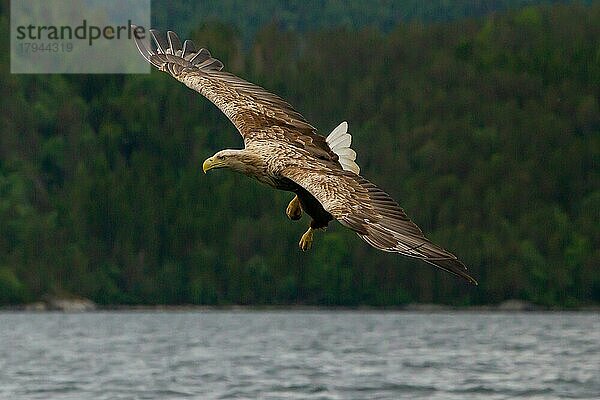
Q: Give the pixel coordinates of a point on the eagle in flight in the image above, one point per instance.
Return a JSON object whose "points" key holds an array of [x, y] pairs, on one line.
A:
{"points": [[283, 150]]}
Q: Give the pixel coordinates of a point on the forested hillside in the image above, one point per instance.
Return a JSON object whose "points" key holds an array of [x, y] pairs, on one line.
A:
{"points": [[249, 16], [487, 132]]}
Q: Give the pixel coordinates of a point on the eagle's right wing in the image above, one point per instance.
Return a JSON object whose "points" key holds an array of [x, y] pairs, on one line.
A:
{"points": [[361, 206]]}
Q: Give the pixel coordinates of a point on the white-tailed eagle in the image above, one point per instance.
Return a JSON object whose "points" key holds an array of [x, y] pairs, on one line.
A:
{"points": [[283, 150]]}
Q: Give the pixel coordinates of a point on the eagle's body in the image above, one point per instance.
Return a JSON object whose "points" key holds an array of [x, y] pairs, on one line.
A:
{"points": [[258, 162], [282, 150]]}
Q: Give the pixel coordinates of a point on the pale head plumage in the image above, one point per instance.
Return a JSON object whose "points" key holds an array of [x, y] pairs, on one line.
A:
{"points": [[242, 161]]}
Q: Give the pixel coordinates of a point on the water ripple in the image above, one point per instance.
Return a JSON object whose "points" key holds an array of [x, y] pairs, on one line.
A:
{"points": [[299, 355]]}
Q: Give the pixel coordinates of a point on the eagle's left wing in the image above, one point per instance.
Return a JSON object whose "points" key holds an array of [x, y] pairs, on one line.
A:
{"points": [[255, 112], [361, 206]]}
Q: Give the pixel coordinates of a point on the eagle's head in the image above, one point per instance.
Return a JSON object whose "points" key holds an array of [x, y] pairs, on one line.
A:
{"points": [[238, 160]]}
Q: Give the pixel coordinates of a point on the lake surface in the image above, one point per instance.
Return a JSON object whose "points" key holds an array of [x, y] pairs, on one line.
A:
{"points": [[299, 355]]}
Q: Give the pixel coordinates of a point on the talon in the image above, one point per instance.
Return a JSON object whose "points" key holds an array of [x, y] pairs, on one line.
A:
{"points": [[306, 240], [293, 210]]}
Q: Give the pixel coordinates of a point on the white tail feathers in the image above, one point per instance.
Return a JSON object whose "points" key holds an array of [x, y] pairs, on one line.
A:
{"points": [[339, 140]]}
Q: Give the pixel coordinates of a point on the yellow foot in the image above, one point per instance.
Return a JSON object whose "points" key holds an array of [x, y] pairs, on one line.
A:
{"points": [[306, 240], [294, 211]]}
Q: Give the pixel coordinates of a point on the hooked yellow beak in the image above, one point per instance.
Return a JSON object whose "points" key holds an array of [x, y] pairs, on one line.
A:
{"points": [[211, 163]]}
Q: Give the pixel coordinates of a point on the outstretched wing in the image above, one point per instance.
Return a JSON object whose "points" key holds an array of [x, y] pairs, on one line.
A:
{"points": [[374, 216], [253, 110]]}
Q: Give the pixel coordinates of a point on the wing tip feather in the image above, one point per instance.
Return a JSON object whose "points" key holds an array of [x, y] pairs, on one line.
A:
{"points": [[182, 54]]}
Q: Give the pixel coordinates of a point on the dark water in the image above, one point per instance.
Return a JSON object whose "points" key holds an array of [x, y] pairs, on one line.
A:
{"points": [[299, 355]]}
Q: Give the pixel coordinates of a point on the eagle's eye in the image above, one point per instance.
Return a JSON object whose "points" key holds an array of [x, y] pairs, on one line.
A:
{"points": [[220, 157]]}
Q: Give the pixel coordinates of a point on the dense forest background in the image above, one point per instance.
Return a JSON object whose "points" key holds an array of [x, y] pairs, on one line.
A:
{"points": [[485, 129], [249, 16]]}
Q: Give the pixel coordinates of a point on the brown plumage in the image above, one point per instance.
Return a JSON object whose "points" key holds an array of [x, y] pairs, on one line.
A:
{"points": [[284, 151]]}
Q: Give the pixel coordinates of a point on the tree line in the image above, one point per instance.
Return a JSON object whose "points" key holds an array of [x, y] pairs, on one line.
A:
{"points": [[485, 130]]}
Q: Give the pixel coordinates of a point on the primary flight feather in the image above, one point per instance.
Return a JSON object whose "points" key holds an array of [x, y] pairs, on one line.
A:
{"points": [[284, 151]]}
